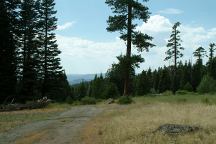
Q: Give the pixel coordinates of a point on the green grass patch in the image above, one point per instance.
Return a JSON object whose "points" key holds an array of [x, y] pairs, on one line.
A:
{"points": [[178, 98]]}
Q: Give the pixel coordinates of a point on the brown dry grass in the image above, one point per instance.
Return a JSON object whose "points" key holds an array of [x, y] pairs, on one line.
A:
{"points": [[136, 123], [31, 138]]}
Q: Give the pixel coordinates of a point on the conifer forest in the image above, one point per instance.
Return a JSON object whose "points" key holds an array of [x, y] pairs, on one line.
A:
{"points": [[31, 67], [165, 101]]}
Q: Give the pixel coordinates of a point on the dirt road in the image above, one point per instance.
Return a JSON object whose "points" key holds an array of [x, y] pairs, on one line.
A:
{"points": [[62, 129]]}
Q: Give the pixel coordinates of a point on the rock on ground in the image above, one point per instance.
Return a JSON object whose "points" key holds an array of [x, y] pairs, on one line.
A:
{"points": [[177, 129]]}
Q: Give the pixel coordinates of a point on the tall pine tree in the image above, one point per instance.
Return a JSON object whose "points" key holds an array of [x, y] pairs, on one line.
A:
{"points": [[125, 12], [30, 51], [51, 69], [164, 80], [8, 20], [199, 53], [174, 51], [211, 68], [198, 68]]}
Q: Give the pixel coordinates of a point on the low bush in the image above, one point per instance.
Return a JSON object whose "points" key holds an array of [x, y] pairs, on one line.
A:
{"points": [[69, 100], [167, 93], [125, 100], [77, 102], [182, 92], [153, 91], [188, 87], [88, 101], [111, 91], [207, 85]]}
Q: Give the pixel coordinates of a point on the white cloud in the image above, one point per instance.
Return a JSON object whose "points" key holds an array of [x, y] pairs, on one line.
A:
{"points": [[65, 26], [197, 35], [86, 56], [193, 37], [160, 28], [155, 24], [171, 11], [81, 55]]}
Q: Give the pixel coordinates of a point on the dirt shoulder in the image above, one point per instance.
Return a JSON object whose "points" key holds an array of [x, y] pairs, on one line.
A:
{"points": [[62, 129]]}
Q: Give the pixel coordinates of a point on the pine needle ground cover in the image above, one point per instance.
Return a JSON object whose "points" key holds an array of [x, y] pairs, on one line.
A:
{"points": [[136, 123]]}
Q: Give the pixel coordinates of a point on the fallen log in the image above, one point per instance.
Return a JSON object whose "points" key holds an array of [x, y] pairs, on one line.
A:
{"points": [[33, 105]]}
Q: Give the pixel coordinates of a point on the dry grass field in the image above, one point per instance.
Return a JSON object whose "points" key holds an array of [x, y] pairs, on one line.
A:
{"points": [[136, 123]]}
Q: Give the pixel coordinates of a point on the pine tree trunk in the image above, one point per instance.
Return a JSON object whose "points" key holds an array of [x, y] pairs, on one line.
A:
{"points": [[45, 54], [175, 65], [7, 53], [128, 54]]}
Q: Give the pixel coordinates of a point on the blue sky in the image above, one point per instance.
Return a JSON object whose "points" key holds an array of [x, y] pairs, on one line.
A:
{"points": [[88, 48]]}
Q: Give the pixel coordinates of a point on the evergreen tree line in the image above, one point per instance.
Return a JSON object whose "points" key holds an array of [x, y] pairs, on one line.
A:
{"points": [[179, 76], [30, 65], [191, 77], [99, 88], [29, 56], [188, 78]]}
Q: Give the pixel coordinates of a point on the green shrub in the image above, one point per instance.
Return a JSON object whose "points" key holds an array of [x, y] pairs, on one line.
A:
{"points": [[88, 101], [188, 87], [167, 93], [77, 102], [207, 85], [153, 91], [69, 100], [125, 100], [111, 91], [182, 92]]}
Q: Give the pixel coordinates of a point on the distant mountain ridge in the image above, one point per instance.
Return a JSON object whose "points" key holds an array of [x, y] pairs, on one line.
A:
{"points": [[78, 78]]}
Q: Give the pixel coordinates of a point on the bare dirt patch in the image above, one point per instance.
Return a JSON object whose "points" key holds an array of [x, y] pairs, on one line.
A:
{"points": [[62, 129]]}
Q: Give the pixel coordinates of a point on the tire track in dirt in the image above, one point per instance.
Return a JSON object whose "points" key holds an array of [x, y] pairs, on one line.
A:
{"points": [[62, 129]]}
